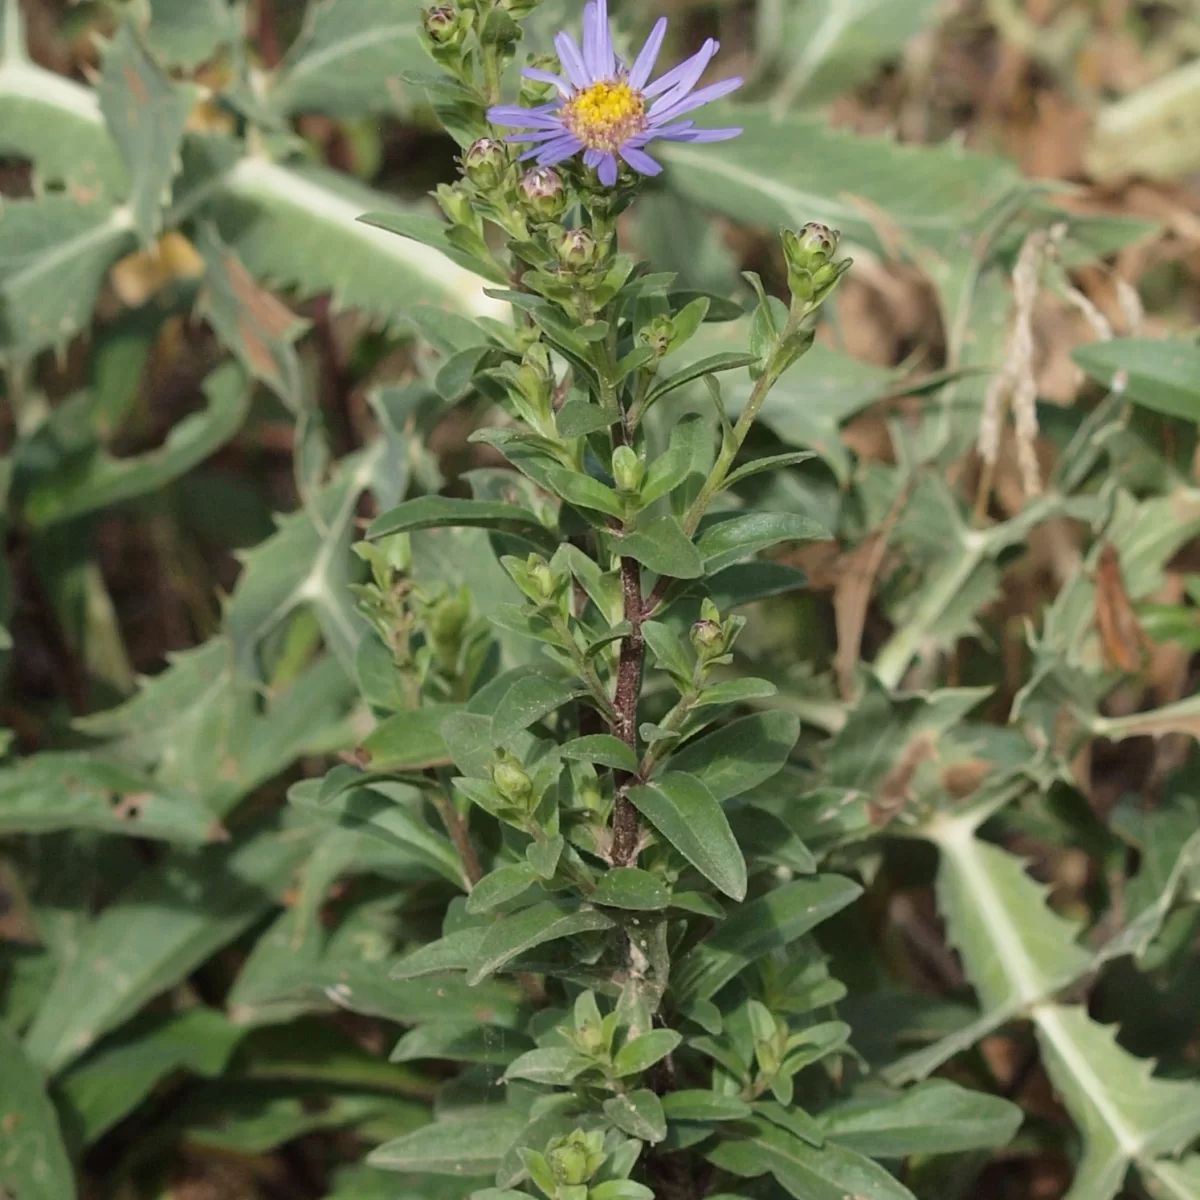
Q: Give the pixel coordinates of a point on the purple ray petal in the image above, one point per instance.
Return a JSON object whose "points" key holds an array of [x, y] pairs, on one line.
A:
{"points": [[555, 152], [572, 60], [705, 95], [644, 63], [604, 42], [639, 160], [591, 42], [592, 158], [700, 135], [546, 135], [548, 77], [608, 170], [690, 69], [513, 117]]}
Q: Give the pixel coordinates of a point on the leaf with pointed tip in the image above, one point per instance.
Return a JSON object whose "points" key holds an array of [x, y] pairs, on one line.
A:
{"points": [[938, 1117], [1160, 375], [601, 748], [349, 59], [146, 113], [711, 365], [463, 1148], [631, 888], [768, 923], [103, 480], [528, 701], [465, 1042], [439, 512], [663, 547], [729, 541], [639, 1114], [51, 791], [807, 1172], [34, 1163], [501, 885], [512, 936], [741, 755], [54, 253], [410, 741], [697, 1104], [454, 952], [688, 816]]}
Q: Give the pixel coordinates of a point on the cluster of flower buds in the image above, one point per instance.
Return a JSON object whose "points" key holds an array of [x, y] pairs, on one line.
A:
{"points": [[570, 1161], [813, 270]]}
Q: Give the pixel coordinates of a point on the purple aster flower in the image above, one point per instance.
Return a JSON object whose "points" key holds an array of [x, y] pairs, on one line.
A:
{"points": [[605, 108]]}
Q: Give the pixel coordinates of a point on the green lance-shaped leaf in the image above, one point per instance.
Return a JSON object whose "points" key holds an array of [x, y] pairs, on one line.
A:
{"points": [[52, 791], [146, 113], [741, 755], [725, 542], [528, 701], [688, 816], [160, 928], [33, 1159], [350, 59], [629, 887], [937, 1117], [769, 922], [54, 253], [512, 936], [639, 1114], [410, 741], [1163, 376], [436, 512], [663, 547], [808, 1172], [462, 1148], [103, 480]]}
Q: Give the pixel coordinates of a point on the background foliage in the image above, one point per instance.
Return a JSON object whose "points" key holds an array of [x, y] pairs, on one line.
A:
{"points": [[983, 845]]}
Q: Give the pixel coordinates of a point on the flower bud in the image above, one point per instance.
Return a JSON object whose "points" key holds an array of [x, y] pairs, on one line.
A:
{"points": [[575, 1158], [533, 91], [544, 580], [446, 27], [511, 780], [449, 617], [812, 270], [708, 638], [658, 334], [484, 162], [544, 193], [456, 204], [577, 249], [628, 470]]}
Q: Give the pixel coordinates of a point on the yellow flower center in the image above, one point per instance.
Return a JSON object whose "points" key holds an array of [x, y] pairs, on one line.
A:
{"points": [[605, 115]]}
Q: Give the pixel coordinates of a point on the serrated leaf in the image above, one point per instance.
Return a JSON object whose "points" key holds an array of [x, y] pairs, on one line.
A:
{"points": [[250, 321], [462, 1148], [437, 512], [34, 1164], [663, 547], [638, 1113], [101, 480], [146, 113], [298, 227], [349, 58], [938, 1117], [770, 922], [157, 930], [741, 755], [688, 817], [791, 170], [807, 1172], [51, 791], [512, 936], [1160, 375], [54, 254], [726, 542]]}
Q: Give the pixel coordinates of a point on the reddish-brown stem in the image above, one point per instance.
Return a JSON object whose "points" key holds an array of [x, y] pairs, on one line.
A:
{"points": [[629, 686], [456, 827]]}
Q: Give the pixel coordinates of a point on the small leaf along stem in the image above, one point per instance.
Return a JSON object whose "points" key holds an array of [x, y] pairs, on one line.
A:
{"points": [[625, 725]]}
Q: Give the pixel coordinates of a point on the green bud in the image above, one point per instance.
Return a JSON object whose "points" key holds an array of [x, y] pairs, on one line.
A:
{"points": [[708, 639], [544, 193], [446, 27], [449, 617], [511, 780], [812, 271], [577, 249], [544, 580], [628, 470], [658, 335], [534, 91], [575, 1158], [456, 204], [484, 163]]}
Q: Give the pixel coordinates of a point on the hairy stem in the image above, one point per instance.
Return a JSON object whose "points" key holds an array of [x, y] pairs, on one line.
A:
{"points": [[625, 724]]}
